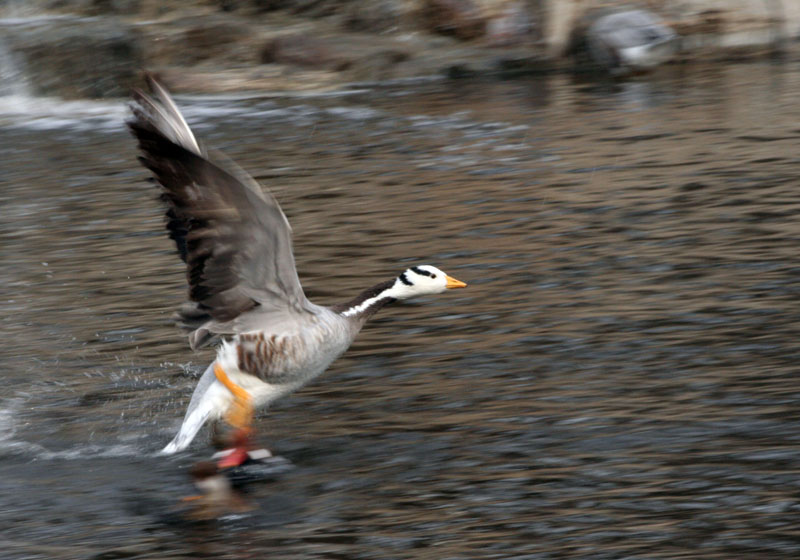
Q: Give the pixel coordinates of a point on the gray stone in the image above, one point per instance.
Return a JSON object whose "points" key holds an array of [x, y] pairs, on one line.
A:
{"points": [[623, 41]]}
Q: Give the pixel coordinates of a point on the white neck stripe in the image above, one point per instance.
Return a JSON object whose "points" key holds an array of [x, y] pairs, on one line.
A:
{"points": [[364, 305]]}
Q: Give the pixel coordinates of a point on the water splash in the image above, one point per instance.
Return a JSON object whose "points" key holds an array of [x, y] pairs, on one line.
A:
{"points": [[49, 113], [9, 444], [7, 425], [87, 451]]}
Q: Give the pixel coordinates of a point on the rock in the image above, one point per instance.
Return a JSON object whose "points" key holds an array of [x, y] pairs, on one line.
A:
{"points": [[195, 39], [148, 8], [75, 57], [361, 57], [459, 18], [317, 8], [512, 27], [211, 39], [376, 16], [378, 65], [252, 6], [103, 7], [513, 63], [623, 41], [510, 63], [305, 50]]}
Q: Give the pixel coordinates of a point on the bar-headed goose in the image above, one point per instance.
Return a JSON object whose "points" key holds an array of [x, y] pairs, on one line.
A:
{"points": [[243, 286]]}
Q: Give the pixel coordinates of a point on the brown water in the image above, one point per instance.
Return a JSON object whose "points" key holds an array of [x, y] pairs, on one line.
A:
{"points": [[618, 381]]}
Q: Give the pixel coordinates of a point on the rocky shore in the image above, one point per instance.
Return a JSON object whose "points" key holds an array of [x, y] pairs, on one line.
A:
{"points": [[97, 48]]}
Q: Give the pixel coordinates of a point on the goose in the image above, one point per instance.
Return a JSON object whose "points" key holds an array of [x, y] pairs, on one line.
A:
{"points": [[244, 291]]}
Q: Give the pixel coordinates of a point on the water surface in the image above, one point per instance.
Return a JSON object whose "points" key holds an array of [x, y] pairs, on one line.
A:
{"points": [[618, 381]]}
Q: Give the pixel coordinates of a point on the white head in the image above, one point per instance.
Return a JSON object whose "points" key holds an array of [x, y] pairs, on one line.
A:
{"points": [[422, 280]]}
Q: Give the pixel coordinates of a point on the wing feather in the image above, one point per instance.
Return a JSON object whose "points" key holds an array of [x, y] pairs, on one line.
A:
{"points": [[234, 238]]}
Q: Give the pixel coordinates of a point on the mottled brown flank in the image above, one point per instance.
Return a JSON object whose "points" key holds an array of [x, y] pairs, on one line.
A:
{"points": [[265, 357]]}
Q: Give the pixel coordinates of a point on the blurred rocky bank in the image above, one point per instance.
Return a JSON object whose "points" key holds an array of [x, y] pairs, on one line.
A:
{"points": [[97, 48]]}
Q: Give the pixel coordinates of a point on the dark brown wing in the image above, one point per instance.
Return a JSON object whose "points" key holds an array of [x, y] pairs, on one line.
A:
{"points": [[234, 238]]}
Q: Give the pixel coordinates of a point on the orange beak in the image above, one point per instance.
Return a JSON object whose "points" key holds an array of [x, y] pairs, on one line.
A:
{"points": [[453, 283]]}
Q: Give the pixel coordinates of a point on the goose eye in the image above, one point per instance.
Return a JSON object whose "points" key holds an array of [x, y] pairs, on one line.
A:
{"points": [[433, 276]]}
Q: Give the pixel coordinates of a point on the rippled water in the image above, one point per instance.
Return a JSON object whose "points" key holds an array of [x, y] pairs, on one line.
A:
{"points": [[619, 380]]}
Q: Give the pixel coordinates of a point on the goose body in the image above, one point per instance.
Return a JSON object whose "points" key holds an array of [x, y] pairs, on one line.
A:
{"points": [[244, 290]]}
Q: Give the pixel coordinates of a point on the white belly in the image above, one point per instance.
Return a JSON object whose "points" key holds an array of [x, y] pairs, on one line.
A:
{"points": [[318, 347]]}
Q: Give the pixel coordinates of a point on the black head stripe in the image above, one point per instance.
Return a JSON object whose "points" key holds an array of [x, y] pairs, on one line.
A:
{"points": [[421, 272], [405, 280]]}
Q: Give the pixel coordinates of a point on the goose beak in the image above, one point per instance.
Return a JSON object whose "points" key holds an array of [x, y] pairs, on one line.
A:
{"points": [[453, 283]]}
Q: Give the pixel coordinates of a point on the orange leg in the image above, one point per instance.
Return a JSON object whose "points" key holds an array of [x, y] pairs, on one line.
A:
{"points": [[240, 414]]}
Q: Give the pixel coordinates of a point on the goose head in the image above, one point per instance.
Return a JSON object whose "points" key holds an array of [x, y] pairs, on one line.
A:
{"points": [[423, 280], [415, 281]]}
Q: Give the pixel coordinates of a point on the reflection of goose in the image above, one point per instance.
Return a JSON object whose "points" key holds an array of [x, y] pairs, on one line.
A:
{"points": [[218, 495], [630, 40], [243, 286]]}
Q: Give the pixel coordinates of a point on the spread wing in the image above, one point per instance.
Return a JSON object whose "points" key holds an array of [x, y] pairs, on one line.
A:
{"points": [[234, 238]]}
